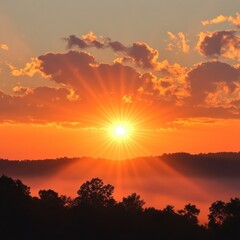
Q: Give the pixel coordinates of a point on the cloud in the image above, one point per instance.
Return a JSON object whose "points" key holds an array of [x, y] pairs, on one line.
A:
{"points": [[117, 46], [21, 90], [80, 71], [139, 53], [72, 41], [90, 79], [207, 77], [4, 47], [225, 44], [221, 18], [143, 55], [87, 41], [210, 89], [224, 97], [30, 68], [178, 42], [39, 105], [92, 83]]}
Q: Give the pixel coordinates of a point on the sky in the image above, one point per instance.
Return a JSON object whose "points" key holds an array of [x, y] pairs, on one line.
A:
{"points": [[166, 71]]}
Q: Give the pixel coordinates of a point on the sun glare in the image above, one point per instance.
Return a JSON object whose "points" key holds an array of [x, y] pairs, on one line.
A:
{"points": [[123, 130], [120, 131]]}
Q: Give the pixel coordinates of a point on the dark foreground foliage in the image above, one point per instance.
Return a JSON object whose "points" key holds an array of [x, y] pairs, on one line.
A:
{"points": [[94, 214]]}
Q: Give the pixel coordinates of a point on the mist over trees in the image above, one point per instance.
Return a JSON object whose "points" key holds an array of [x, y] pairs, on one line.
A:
{"points": [[95, 214]]}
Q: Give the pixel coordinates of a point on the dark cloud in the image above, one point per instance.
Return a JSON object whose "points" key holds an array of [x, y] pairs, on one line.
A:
{"points": [[139, 53], [220, 44], [97, 44], [72, 41], [205, 77], [87, 41], [143, 55], [117, 46], [67, 68], [80, 71]]}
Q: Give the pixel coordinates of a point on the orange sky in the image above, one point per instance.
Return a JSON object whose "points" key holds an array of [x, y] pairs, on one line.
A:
{"points": [[24, 141], [170, 107], [176, 83]]}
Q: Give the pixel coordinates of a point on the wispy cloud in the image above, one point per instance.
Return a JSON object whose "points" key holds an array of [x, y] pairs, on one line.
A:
{"points": [[178, 42], [4, 47], [221, 18], [30, 68]]}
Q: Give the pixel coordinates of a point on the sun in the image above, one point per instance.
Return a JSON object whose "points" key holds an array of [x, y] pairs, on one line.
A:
{"points": [[120, 131]]}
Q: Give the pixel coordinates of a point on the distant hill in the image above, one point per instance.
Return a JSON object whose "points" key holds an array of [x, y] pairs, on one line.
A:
{"points": [[31, 168], [210, 165]]}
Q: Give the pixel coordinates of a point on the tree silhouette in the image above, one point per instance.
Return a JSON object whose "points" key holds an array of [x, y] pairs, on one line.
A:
{"points": [[224, 219], [15, 202], [169, 210], [13, 192], [133, 202], [51, 198], [96, 215], [217, 214], [191, 212], [95, 193]]}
